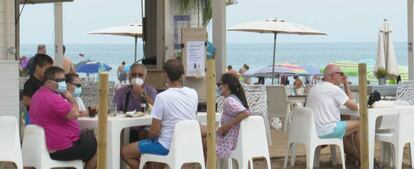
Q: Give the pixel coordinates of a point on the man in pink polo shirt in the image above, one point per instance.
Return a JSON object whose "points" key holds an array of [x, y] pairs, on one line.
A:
{"points": [[55, 110]]}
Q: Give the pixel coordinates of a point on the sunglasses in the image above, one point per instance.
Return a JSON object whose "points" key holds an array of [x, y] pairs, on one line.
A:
{"points": [[77, 85], [58, 80], [340, 73]]}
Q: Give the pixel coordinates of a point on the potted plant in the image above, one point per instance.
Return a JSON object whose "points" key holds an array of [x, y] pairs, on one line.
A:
{"points": [[381, 75]]}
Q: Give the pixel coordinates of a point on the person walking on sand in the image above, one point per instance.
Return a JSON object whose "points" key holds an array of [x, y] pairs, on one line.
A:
{"points": [[121, 73]]}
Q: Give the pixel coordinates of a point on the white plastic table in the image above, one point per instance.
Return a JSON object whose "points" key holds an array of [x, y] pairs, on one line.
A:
{"points": [[373, 114], [115, 126]]}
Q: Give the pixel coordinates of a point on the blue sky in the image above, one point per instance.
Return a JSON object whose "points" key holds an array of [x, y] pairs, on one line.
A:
{"points": [[344, 21]]}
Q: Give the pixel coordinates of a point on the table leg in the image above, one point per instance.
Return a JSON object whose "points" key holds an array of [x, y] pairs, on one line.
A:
{"points": [[371, 139], [114, 147]]}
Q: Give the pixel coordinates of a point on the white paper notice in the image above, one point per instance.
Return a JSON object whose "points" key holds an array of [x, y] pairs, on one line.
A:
{"points": [[196, 53]]}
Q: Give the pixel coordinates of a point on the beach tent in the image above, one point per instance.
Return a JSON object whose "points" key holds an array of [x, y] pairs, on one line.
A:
{"points": [[275, 26], [92, 67], [130, 30], [385, 52]]}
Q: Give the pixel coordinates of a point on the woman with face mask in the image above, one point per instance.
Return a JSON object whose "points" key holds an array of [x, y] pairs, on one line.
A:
{"points": [[235, 109], [74, 86]]}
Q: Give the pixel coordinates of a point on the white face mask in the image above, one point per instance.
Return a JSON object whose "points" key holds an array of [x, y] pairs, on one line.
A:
{"points": [[137, 81]]}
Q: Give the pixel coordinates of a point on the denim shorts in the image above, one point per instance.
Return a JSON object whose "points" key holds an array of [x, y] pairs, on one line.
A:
{"points": [[152, 146], [339, 131]]}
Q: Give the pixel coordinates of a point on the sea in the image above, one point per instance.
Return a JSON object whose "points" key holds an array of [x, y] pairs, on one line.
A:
{"points": [[256, 55]]}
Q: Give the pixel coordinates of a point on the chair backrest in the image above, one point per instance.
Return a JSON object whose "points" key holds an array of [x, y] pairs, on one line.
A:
{"points": [[277, 101], [252, 137], [406, 125], [405, 91], [34, 145], [9, 134], [186, 142], [303, 124]]}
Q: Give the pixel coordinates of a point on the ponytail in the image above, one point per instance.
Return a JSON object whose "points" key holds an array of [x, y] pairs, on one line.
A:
{"points": [[235, 87]]}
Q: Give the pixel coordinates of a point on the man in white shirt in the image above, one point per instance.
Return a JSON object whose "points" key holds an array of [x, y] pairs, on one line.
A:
{"points": [[171, 106], [325, 99]]}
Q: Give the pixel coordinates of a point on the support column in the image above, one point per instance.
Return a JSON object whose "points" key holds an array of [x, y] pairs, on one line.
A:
{"points": [[58, 34], [410, 26], [219, 35]]}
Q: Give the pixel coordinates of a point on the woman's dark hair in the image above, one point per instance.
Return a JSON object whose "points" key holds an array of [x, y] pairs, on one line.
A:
{"points": [[235, 87]]}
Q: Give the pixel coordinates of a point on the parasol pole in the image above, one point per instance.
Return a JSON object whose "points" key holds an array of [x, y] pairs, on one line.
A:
{"points": [[135, 54], [274, 57]]}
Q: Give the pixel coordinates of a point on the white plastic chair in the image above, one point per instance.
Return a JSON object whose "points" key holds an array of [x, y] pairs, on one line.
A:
{"points": [[400, 135], [278, 104], [251, 143], [10, 150], [303, 131], [35, 153], [183, 150]]}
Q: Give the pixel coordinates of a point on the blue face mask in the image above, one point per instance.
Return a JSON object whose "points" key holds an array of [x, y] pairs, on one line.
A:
{"points": [[62, 87], [77, 92]]}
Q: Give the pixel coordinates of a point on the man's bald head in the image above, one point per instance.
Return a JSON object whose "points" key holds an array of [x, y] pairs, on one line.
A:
{"points": [[331, 72]]}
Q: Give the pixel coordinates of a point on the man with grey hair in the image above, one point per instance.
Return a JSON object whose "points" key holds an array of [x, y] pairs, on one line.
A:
{"points": [[129, 98], [325, 99], [41, 49]]}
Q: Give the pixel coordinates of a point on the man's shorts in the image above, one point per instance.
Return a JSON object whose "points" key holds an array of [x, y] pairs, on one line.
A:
{"points": [[151, 146], [83, 149], [339, 131]]}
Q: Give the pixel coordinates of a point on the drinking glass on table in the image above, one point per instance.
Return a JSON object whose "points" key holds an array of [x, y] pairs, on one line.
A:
{"points": [[112, 109]]}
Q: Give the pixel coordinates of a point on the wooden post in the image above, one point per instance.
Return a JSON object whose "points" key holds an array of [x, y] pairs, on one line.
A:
{"points": [[102, 119], [363, 114], [211, 113]]}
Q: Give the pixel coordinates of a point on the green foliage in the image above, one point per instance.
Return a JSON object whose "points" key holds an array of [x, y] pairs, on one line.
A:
{"points": [[381, 73]]}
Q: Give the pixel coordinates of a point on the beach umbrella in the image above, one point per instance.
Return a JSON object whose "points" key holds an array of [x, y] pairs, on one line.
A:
{"points": [[312, 70], [275, 26], [130, 30], [385, 52], [270, 71], [92, 67]]}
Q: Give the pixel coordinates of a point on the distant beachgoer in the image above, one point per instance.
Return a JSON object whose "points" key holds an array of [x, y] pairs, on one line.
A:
{"points": [[284, 80], [175, 104], [73, 82], [325, 99], [67, 63], [242, 72], [55, 110], [298, 85], [121, 73], [398, 79], [41, 49], [232, 71], [235, 109], [316, 79]]}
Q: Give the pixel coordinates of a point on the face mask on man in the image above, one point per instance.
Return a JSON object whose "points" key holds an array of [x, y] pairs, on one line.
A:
{"points": [[137, 81], [61, 87], [77, 92]]}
